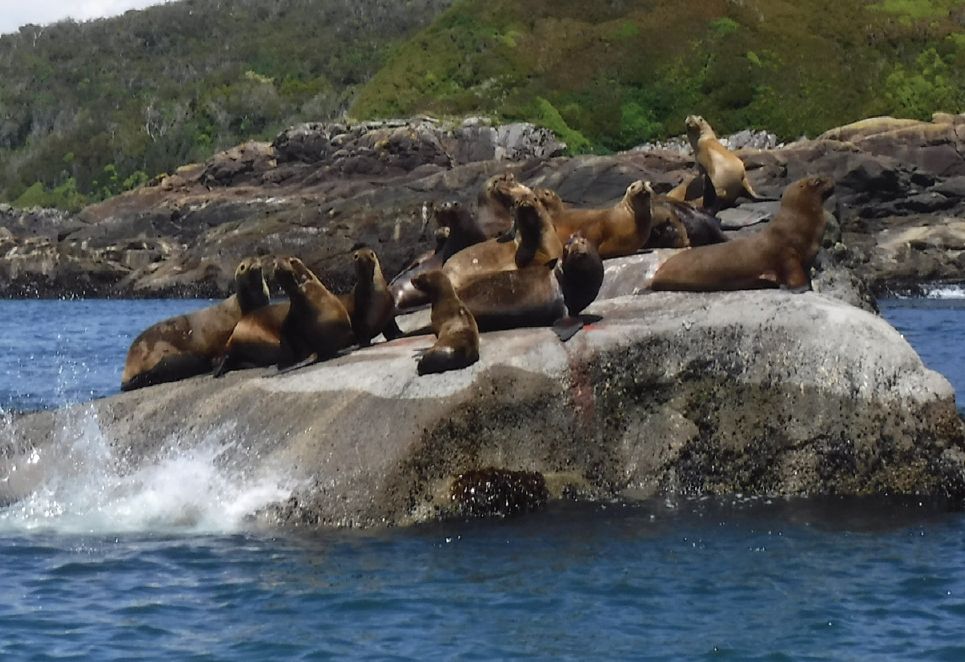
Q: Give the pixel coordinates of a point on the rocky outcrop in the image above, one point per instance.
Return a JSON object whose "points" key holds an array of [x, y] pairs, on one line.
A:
{"points": [[319, 191], [667, 393]]}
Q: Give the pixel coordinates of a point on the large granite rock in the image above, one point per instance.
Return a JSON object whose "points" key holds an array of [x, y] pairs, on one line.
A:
{"points": [[666, 393]]}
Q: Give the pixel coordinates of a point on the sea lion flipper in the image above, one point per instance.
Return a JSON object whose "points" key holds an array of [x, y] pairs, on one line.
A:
{"points": [[313, 358], [392, 330], [566, 327]]}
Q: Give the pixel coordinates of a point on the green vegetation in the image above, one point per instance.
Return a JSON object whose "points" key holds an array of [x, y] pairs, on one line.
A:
{"points": [[92, 109], [88, 110], [607, 76]]}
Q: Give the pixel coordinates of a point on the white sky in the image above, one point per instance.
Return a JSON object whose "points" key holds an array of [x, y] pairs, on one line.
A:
{"points": [[15, 13]]}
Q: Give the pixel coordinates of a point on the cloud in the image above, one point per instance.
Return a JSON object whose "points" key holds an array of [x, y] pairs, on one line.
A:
{"points": [[44, 12]]}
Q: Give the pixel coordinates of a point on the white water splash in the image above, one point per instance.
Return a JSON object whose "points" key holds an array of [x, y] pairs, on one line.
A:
{"points": [[946, 292], [83, 488]]}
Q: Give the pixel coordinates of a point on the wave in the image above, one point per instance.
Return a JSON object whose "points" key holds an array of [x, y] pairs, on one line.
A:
{"points": [[82, 486]]}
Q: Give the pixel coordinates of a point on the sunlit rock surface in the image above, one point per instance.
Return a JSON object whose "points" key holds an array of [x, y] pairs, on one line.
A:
{"points": [[761, 392]]}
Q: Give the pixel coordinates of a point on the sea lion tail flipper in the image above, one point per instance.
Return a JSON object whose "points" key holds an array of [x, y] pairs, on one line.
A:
{"points": [[753, 195], [566, 327]]}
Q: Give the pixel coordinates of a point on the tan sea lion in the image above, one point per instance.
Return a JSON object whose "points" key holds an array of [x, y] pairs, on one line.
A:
{"points": [[370, 304], [723, 167], [780, 254], [256, 340], [678, 224], [193, 343], [615, 231], [457, 344], [533, 243], [494, 206], [317, 326], [458, 230], [552, 294]]}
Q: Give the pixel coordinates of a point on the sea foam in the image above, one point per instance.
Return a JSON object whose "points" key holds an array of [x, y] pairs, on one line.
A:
{"points": [[79, 485]]}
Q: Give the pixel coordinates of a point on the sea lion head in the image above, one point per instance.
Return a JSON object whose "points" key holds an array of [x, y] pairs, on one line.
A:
{"points": [[250, 284], [526, 212], [813, 190], [697, 127], [580, 273], [366, 262], [505, 189], [447, 213], [549, 199], [291, 272], [638, 196], [434, 283]]}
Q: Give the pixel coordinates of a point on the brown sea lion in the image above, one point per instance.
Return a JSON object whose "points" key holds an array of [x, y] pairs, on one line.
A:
{"points": [[552, 294], [724, 168], [780, 254], [615, 231], [494, 207], [535, 242], [317, 326], [459, 229], [193, 343], [370, 304], [457, 344], [678, 224], [256, 340]]}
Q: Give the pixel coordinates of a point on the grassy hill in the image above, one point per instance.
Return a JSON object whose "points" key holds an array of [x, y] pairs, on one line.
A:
{"points": [[608, 75], [90, 109]]}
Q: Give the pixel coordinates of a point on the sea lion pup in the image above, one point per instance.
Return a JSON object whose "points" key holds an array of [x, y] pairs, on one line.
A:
{"points": [[615, 231], [370, 304], [317, 326], [193, 343], [552, 294], [534, 242], [494, 206], [723, 167], [780, 254], [457, 230], [457, 344], [676, 224]]}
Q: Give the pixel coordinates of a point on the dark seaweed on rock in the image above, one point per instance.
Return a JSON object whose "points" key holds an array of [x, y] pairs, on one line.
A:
{"points": [[498, 492]]}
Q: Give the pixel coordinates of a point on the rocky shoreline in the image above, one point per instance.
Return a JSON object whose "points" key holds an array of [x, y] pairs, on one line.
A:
{"points": [[319, 191]]}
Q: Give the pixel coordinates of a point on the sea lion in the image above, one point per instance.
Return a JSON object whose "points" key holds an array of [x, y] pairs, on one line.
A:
{"points": [[457, 230], [724, 169], [317, 326], [552, 294], [191, 344], [696, 190], [256, 340], [533, 243], [677, 224], [494, 206], [780, 254], [457, 344], [615, 231], [370, 304]]}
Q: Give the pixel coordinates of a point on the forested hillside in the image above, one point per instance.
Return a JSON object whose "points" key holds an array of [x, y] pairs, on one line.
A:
{"points": [[90, 109], [608, 75]]}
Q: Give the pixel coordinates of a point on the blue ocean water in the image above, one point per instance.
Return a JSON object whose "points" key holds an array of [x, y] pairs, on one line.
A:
{"points": [[163, 565]]}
